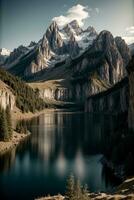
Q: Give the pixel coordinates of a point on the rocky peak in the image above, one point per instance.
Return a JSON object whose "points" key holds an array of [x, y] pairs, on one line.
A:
{"points": [[73, 46], [15, 55], [67, 29], [114, 52], [45, 48], [104, 40], [91, 30], [53, 36], [123, 49], [75, 26], [32, 44]]}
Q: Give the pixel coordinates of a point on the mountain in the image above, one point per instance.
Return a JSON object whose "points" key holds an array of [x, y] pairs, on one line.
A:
{"points": [[99, 68], [70, 64], [57, 45], [131, 47], [4, 53], [16, 55]]}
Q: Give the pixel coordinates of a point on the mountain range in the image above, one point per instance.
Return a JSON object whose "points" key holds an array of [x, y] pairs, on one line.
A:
{"points": [[71, 63]]}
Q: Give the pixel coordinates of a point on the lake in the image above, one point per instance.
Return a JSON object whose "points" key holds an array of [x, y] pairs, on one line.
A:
{"points": [[61, 143]]}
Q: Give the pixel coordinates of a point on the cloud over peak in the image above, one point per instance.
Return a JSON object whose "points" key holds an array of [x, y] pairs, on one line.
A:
{"points": [[129, 35], [77, 12]]}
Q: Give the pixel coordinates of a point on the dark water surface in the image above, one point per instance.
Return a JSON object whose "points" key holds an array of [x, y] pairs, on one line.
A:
{"points": [[61, 143]]}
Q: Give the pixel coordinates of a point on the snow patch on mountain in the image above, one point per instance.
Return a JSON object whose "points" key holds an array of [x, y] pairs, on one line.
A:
{"points": [[4, 52]]}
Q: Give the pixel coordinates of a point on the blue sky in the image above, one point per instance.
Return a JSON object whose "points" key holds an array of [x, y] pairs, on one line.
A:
{"points": [[22, 21]]}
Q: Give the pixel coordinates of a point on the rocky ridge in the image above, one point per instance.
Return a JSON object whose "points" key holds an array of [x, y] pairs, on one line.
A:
{"points": [[96, 70], [56, 46]]}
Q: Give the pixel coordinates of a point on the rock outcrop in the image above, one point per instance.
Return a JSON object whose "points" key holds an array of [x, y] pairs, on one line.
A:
{"points": [[6, 96], [58, 94]]}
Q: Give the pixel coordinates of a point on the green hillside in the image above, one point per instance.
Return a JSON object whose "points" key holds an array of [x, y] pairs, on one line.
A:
{"points": [[26, 98]]}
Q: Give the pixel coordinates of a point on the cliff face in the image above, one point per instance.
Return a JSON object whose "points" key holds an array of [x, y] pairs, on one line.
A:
{"points": [[114, 100], [58, 94], [6, 96], [130, 69]]}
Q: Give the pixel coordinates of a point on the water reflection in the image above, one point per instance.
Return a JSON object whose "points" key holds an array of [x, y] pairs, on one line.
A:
{"points": [[60, 143]]}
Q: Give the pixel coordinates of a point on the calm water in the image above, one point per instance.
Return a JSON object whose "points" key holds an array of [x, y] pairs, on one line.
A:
{"points": [[60, 144]]}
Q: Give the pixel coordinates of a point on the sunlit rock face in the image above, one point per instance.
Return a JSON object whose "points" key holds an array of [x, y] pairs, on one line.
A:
{"points": [[131, 94], [6, 97], [101, 67], [59, 94], [114, 100]]}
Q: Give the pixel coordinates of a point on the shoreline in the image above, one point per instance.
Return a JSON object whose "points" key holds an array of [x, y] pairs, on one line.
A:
{"points": [[124, 191], [17, 138], [18, 115]]}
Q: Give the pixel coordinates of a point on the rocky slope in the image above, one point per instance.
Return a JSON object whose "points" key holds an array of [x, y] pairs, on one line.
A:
{"points": [[131, 94], [57, 45], [82, 62], [17, 54], [99, 68], [6, 96], [111, 101]]}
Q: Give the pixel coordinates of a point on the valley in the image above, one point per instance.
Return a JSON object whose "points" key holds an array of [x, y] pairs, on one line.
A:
{"points": [[67, 106]]}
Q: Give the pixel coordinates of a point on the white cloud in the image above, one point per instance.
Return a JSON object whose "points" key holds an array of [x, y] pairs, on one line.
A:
{"points": [[129, 40], [129, 35], [130, 30], [77, 12]]}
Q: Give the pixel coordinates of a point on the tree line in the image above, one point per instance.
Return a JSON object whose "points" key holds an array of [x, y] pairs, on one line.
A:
{"points": [[27, 99]]}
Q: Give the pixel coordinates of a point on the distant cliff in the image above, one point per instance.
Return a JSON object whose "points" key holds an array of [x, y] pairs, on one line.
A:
{"points": [[6, 96], [116, 100], [130, 69], [111, 101]]}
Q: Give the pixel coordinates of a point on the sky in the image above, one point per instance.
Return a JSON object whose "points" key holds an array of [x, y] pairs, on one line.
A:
{"points": [[22, 21]]}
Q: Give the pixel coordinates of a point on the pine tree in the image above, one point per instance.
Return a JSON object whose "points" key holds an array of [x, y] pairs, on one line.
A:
{"points": [[3, 126], [78, 190], [9, 121], [70, 188], [85, 192]]}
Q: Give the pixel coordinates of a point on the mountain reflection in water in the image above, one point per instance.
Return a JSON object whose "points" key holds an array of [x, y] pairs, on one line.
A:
{"points": [[61, 143]]}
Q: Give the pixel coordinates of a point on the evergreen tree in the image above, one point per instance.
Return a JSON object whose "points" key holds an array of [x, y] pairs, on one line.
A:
{"points": [[85, 192], [21, 127], [9, 121], [3, 126], [78, 190], [70, 188], [75, 191]]}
